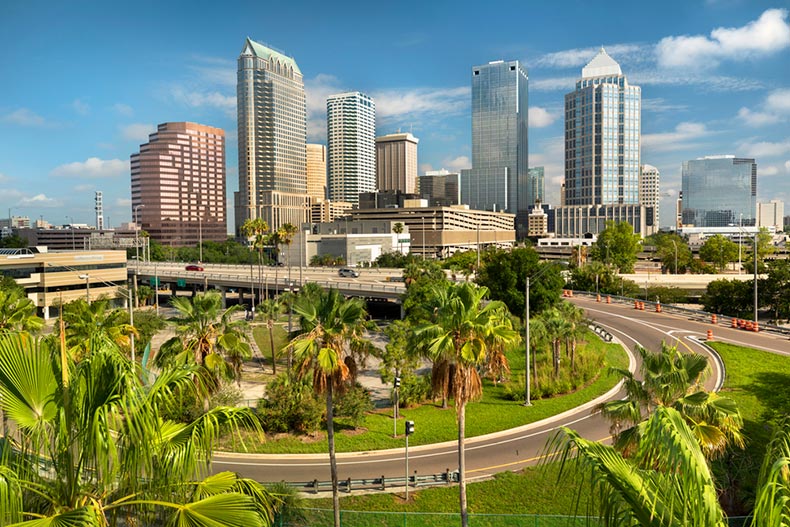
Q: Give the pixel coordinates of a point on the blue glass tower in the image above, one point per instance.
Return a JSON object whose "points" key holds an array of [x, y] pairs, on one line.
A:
{"points": [[498, 177], [719, 191]]}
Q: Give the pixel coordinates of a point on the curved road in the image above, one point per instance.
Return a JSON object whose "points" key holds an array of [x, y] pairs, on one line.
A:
{"points": [[510, 449]]}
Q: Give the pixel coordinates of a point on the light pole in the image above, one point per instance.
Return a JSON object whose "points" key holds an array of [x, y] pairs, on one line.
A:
{"points": [[755, 277], [527, 399], [87, 279], [740, 241], [136, 239], [200, 227]]}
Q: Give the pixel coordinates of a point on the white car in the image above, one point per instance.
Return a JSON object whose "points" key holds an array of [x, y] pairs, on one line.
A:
{"points": [[348, 273]]}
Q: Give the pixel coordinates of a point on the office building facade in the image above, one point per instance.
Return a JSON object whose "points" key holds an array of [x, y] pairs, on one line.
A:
{"points": [[351, 145], [719, 191], [272, 130], [316, 171], [178, 185], [536, 186], [440, 188], [396, 162], [498, 177], [650, 189], [602, 152], [771, 214]]}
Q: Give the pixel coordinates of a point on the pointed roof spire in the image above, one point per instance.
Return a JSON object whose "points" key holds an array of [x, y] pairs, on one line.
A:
{"points": [[602, 64]]}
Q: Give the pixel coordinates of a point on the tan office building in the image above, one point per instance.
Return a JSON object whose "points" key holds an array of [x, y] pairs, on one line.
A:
{"points": [[316, 171], [396, 163], [178, 185]]}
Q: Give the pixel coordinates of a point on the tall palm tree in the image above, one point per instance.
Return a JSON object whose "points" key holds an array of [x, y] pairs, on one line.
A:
{"points": [[329, 325], [269, 310], [397, 228], [673, 379], [465, 326], [574, 316], [17, 312], [540, 339], [208, 336], [556, 328], [91, 447], [256, 230]]}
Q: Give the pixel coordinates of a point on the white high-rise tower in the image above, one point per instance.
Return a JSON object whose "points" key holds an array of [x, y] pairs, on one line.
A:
{"points": [[351, 146]]}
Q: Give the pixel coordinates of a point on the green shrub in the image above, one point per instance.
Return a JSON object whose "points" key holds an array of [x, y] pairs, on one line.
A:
{"points": [[414, 390], [353, 404], [290, 406]]}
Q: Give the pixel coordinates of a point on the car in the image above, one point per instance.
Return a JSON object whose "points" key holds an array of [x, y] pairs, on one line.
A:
{"points": [[348, 273], [193, 267]]}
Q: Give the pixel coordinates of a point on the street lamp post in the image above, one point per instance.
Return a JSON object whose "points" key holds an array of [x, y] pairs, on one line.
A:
{"points": [[755, 277], [87, 279], [740, 241], [136, 240]]}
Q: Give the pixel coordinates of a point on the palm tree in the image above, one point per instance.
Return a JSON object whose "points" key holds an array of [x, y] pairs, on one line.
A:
{"points": [[673, 379], [207, 336], [98, 452], [285, 236], [540, 339], [269, 310], [465, 326], [17, 312], [397, 228], [556, 329], [667, 481], [84, 321], [574, 316], [329, 324], [256, 229]]}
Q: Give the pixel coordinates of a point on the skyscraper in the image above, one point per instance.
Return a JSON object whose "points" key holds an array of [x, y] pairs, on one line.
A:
{"points": [[650, 189], [440, 188], [351, 145], [178, 184], [272, 130], [602, 152], [536, 186], [316, 171], [396, 162], [719, 191], [498, 177]]}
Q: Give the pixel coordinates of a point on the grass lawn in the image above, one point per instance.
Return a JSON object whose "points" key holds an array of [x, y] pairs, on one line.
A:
{"points": [[756, 380], [261, 336], [434, 425]]}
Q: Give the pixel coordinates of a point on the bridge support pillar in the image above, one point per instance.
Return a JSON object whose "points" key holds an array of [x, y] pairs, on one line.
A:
{"points": [[224, 292]]}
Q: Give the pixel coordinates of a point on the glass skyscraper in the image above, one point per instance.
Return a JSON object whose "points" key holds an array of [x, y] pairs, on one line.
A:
{"points": [[351, 150], [602, 135], [537, 186], [498, 177], [719, 191], [272, 134]]}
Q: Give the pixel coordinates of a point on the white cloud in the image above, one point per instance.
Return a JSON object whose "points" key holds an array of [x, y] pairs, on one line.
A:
{"points": [[540, 117], [574, 58], [756, 119], [550, 154], [4, 178], [25, 117], [317, 89], [137, 131], [765, 148], [215, 70], [84, 187], [93, 167], [457, 163], [393, 104], [425, 167], [768, 34], [778, 101], [552, 84], [208, 98], [718, 83], [40, 200], [787, 167], [681, 138], [768, 171], [81, 107], [123, 109], [660, 105], [123, 202]]}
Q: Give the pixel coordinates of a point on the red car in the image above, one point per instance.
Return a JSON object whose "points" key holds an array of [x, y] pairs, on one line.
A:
{"points": [[193, 267]]}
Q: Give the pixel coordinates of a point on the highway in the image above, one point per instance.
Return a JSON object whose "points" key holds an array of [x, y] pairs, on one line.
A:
{"points": [[516, 448]]}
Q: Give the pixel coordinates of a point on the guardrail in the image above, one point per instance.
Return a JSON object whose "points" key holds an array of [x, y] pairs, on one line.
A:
{"points": [[693, 314], [380, 483]]}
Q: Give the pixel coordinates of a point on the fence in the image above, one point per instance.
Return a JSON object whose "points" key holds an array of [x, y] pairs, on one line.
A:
{"points": [[323, 518]]}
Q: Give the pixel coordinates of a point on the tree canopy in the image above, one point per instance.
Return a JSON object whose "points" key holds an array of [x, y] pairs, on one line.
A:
{"points": [[617, 245], [719, 251]]}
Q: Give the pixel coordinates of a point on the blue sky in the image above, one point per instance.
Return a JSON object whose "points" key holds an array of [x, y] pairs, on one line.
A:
{"points": [[83, 83]]}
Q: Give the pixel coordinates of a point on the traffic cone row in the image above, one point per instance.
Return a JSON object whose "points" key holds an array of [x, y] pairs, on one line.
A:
{"points": [[567, 293], [714, 319], [748, 325], [639, 305]]}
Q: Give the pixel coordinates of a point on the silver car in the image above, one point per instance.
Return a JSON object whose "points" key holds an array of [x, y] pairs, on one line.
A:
{"points": [[348, 273]]}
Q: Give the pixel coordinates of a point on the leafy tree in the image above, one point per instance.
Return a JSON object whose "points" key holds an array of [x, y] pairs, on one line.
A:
{"points": [[608, 282], [330, 324], [13, 242], [617, 245], [17, 311], [144, 294], [207, 335], [462, 261], [775, 289], [505, 273], [670, 245], [289, 405], [729, 297], [394, 260], [398, 359], [719, 251], [96, 320], [462, 331], [673, 379], [111, 455], [765, 247], [421, 277]]}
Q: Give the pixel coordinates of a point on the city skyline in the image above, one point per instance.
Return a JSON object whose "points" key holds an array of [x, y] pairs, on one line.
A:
{"points": [[714, 77]]}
